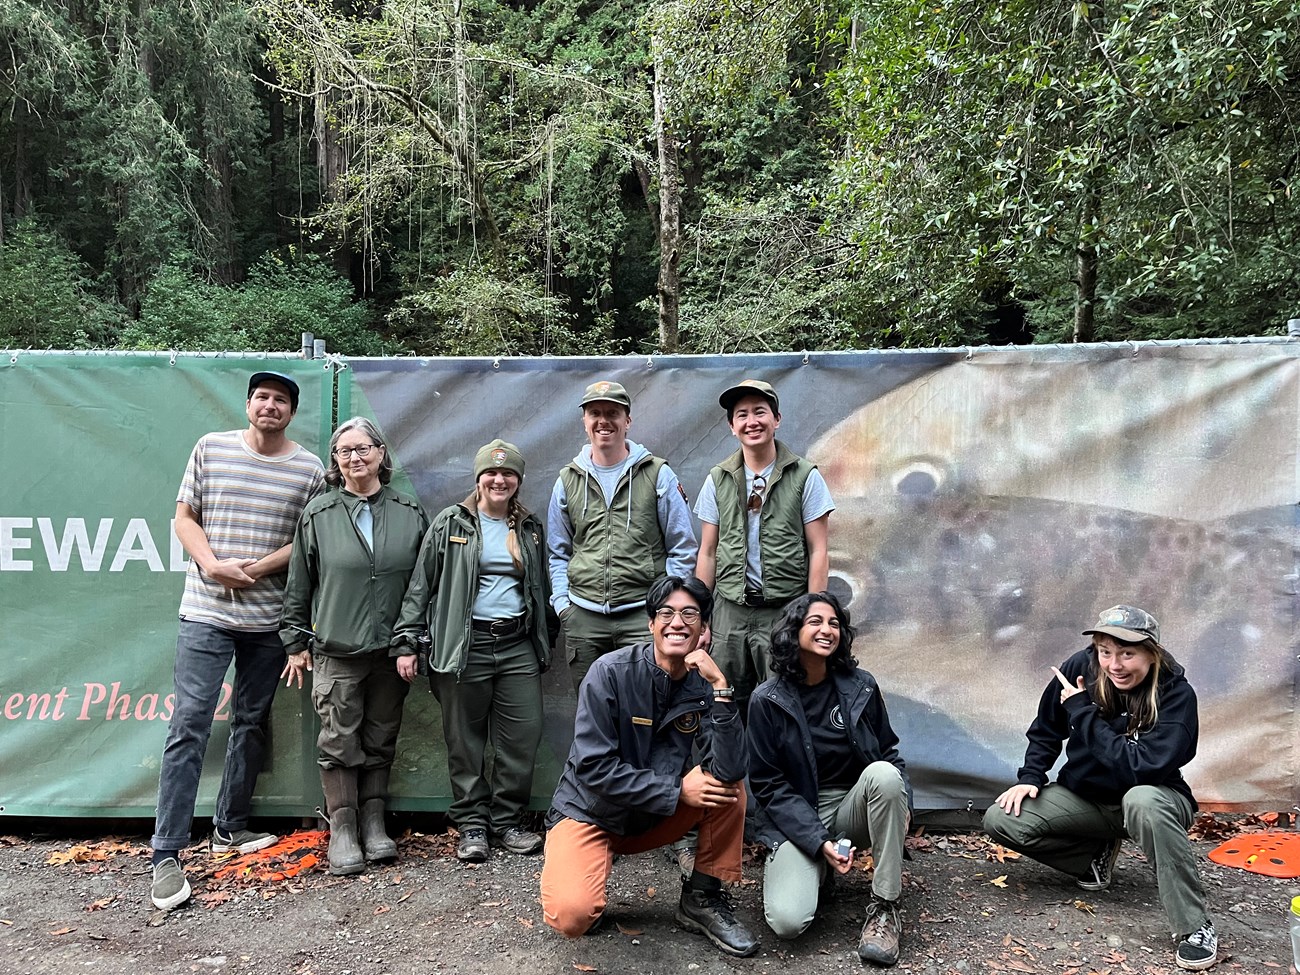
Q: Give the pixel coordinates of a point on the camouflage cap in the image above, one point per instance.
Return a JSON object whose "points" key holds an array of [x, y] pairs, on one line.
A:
{"points": [[748, 387], [1127, 623], [609, 391]]}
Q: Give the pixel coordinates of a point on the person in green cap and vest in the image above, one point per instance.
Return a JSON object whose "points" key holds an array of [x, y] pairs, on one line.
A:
{"points": [[480, 589], [618, 519], [764, 520]]}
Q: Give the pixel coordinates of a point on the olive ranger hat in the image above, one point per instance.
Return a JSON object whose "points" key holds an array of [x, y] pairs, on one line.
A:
{"points": [[748, 387], [498, 456], [608, 391], [1127, 623]]}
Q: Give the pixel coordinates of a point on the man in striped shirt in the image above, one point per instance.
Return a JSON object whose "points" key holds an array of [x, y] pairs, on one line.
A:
{"points": [[241, 497]]}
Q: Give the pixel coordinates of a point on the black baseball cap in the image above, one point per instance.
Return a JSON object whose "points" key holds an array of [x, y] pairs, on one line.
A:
{"points": [[257, 378]]}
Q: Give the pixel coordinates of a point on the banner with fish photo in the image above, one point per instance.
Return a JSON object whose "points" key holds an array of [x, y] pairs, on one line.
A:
{"points": [[989, 504]]}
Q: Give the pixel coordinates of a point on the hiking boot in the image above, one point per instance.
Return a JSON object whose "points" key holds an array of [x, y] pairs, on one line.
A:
{"points": [[170, 888], [878, 944], [473, 845], [705, 907], [1200, 949], [516, 839], [241, 841], [1102, 867], [375, 841]]}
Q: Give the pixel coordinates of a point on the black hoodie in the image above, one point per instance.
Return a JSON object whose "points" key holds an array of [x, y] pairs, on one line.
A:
{"points": [[1101, 761]]}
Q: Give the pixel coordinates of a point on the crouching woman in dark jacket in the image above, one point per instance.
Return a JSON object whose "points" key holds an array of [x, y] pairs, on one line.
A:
{"points": [[824, 763], [1127, 717]]}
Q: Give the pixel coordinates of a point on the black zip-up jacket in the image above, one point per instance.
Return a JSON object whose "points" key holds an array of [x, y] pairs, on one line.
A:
{"points": [[635, 735], [1101, 761], [783, 767]]}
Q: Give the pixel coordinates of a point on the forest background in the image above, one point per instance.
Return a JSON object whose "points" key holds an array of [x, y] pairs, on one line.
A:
{"points": [[469, 177]]}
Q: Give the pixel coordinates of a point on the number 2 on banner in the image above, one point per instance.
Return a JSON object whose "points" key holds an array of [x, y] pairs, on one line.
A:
{"points": [[223, 705]]}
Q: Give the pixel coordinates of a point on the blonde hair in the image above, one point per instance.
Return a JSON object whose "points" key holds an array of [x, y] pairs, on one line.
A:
{"points": [[1143, 705]]}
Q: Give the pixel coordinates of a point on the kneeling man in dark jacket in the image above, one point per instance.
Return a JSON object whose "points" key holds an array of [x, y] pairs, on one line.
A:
{"points": [[632, 782]]}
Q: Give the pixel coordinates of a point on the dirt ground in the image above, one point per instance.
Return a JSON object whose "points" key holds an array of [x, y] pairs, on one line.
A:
{"points": [[72, 902]]}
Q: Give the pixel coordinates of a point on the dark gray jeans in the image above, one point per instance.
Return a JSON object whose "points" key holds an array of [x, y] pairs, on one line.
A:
{"points": [[203, 655]]}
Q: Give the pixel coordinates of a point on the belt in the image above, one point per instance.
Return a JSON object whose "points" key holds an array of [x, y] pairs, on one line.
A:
{"points": [[754, 597], [498, 628]]}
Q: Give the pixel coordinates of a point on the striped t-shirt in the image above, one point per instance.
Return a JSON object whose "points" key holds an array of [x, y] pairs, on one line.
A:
{"points": [[249, 505]]}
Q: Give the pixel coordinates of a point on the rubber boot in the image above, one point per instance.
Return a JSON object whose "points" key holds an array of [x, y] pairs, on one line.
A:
{"points": [[372, 790], [340, 787]]}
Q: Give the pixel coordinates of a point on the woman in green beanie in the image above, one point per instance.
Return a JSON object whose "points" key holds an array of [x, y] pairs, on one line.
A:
{"points": [[480, 588]]}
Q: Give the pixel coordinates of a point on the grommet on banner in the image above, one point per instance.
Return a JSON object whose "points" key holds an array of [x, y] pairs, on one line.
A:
{"points": [[805, 358], [173, 362], [649, 362], [1136, 349], [970, 353], [496, 363]]}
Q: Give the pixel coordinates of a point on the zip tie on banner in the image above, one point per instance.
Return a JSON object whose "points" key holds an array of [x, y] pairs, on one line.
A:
{"points": [[970, 353], [173, 359], [1137, 347]]}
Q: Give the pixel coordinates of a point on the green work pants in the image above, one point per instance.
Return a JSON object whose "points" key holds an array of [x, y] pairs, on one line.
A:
{"points": [[1066, 832], [589, 635], [359, 701], [497, 701], [742, 640], [873, 813]]}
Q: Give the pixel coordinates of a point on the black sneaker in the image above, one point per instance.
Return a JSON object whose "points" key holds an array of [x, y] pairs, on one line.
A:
{"points": [[705, 907], [878, 944], [1102, 867], [1200, 949], [473, 845]]}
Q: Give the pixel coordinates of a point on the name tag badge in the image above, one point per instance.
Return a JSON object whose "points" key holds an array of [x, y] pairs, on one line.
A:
{"points": [[458, 540], [649, 723]]}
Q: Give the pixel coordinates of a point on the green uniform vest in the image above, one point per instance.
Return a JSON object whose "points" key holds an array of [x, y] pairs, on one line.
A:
{"points": [[784, 548], [618, 549]]}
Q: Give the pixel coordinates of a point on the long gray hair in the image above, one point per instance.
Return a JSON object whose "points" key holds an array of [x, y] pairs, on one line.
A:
{"points": [[333, 475]]}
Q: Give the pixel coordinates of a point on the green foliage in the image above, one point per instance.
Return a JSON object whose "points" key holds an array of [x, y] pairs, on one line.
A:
{"points": [[47, 295], [283, 297]]}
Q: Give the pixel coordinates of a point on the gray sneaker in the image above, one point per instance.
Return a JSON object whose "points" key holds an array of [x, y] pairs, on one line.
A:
{"points": [[516, 839], [241, 841], [170, 888]]}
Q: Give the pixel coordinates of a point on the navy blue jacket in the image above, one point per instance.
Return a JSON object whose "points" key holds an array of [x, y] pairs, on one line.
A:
{"points": [[783, 767], [635, 736], [1101, 761]]}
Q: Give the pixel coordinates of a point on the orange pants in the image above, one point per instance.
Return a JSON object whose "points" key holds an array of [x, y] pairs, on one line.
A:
{"points": [[579, 857]]}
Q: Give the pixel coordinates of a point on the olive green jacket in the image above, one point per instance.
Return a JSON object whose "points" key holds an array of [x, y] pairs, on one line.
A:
{"points": [[781, 538], [444, 585], [341, 598]]}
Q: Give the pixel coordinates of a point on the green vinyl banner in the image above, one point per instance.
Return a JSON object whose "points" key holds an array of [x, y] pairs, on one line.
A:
{"points": [[91, 574]]}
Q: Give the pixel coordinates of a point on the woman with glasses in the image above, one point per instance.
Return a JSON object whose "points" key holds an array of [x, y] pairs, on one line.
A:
{"points": [[482, 592], [353, 554], [826, 775]]}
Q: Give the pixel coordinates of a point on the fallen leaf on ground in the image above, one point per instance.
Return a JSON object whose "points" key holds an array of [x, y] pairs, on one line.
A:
{"points": [[100, 904], [382, 909], [584, 968], [630, 932], [62, 931], [649, 891], [211, 898], [1085, 907], [999, 881], [526, 922]]}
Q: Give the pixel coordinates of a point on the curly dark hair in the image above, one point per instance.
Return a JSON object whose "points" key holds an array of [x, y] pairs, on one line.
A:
{"points": [[785, 637]]}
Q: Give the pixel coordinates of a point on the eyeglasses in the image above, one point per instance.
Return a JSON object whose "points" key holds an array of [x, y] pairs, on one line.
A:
{"points": [[689, 615], [755, 493], [362, 451]]}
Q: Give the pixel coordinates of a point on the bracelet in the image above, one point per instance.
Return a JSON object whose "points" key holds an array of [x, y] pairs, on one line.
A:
{"points": [[724, 693]]}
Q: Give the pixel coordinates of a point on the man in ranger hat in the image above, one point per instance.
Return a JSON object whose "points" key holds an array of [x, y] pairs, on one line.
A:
{"points": [[764, 516], [238, 505], [617, 519]]}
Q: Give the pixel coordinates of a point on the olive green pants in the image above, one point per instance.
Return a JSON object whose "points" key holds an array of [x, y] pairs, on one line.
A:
{"points": [[359, 701], [497, 701], [1066, 831], [742, 641], [873, 813], [589, 635]]}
